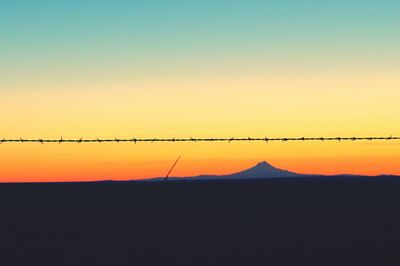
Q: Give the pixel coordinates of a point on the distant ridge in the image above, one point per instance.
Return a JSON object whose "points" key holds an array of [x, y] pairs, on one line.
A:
{"points": [[261, 170]]}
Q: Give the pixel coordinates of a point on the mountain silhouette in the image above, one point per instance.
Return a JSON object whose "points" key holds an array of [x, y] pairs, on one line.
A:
{"points": [[261, 170]]}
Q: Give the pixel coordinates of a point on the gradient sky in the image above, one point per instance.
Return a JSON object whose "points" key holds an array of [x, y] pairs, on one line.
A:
{"points": [[197, 68]]}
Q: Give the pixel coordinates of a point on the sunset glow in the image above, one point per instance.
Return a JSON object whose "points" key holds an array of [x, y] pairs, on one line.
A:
{"points": [[200, 69]]}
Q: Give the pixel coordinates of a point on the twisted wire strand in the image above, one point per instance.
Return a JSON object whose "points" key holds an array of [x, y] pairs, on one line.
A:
{"points": [[233, 139]]}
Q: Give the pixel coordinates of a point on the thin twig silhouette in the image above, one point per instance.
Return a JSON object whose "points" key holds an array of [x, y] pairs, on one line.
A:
{"points": [[172, 168]]}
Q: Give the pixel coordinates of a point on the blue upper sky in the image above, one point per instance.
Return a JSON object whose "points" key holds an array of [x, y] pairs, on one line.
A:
{"points": [[165, 25], [80, 34]]}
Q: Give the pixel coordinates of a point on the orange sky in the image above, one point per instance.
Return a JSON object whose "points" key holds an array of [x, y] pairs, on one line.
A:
{"points": [[275, 105], [31, 162]]}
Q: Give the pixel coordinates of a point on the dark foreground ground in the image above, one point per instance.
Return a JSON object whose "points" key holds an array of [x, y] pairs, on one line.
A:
{"points": [[330, 221]]}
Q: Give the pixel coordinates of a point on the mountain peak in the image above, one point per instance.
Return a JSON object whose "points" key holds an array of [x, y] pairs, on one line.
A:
{"points": [[263, 169], [264, 164], [260, 170]]}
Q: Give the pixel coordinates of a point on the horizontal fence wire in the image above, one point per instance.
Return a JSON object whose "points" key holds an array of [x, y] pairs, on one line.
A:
{"points": [[152, 140]]}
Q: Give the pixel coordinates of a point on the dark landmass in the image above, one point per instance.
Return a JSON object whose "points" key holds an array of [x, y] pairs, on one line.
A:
{"points": [[281, 221]]}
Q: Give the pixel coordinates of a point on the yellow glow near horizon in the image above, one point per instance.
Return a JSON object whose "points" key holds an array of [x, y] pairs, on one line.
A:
{"points": [[272, 106]]}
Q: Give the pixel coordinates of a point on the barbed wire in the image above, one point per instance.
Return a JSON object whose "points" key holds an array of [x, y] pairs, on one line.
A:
{"points": [[233, 139]]}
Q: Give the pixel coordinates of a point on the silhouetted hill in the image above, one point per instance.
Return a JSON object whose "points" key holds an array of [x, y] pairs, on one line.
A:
{"points": [[261, 170]]}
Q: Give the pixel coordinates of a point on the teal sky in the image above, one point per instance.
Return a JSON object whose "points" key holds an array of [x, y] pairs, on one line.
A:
{"points": [[65, 39]]}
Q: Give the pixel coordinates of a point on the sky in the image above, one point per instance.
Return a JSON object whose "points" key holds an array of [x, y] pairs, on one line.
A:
{"points": [[211, 68]]}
